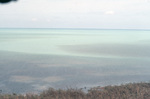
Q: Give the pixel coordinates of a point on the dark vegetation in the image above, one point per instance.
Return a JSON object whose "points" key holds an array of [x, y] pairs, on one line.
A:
{"points": [[6, 1], [128, 91]]}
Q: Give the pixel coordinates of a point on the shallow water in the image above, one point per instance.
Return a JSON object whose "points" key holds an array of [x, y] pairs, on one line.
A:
{"points": [[32, 60]]}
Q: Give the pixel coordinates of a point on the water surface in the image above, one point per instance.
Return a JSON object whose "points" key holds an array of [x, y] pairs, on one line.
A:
{"points": [[32, 60]]}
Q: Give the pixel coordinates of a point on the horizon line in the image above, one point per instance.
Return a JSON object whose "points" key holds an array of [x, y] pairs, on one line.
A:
{"points": [[75, 28]]}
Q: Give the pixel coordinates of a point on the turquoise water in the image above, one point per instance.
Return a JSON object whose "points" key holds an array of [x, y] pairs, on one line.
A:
{"points": [[35, 59], [66, 42]]}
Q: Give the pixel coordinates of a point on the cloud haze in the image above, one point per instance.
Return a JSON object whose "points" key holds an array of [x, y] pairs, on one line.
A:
{"points": [[76, 14]]}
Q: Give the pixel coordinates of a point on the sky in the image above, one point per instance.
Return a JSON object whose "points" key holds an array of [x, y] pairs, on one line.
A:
{"points": [[102, 14]]}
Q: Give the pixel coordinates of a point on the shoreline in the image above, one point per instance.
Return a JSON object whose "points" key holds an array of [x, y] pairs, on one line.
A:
{"points": [[125, 91]]}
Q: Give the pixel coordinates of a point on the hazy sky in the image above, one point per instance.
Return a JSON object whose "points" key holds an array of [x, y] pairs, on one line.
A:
{"points": [[108, 14]]}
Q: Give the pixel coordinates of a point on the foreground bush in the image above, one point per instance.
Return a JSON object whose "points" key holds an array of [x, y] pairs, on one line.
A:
{"points": [[128, 91]]}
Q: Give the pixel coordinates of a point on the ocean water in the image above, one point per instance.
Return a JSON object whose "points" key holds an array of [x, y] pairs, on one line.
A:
{"points": [[32, 60]]}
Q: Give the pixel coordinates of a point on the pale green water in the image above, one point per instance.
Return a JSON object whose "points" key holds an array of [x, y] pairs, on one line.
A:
{"points": [[53, 41], [35, 59]]}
